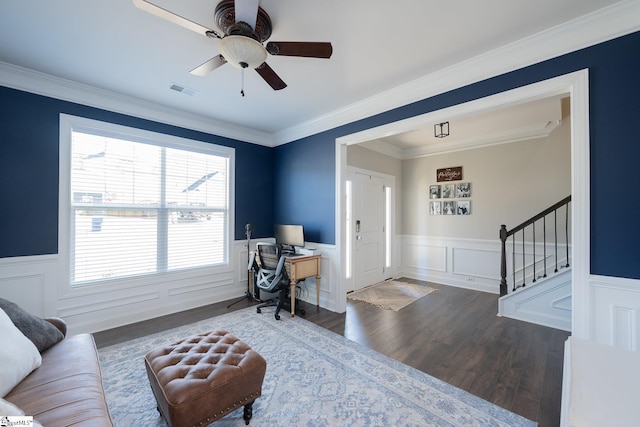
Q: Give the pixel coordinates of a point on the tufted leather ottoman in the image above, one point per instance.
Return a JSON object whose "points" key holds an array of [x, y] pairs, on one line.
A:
{"points": [[204, 377]]}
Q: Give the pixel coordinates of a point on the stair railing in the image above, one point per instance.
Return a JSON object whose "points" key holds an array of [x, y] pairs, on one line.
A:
{"points": [[530, 224]]}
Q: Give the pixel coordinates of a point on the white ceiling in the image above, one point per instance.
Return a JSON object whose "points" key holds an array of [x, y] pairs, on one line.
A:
{"points": [[377, 46]]}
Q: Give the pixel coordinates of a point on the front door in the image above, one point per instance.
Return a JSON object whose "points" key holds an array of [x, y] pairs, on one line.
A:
{"points": [[368, 223]]}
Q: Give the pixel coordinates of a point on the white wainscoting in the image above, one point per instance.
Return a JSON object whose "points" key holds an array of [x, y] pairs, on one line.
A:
{"points": [[328, 291], [35, 284], [472, 263], [466, 263], [599, 385], [611, 308], [30, 282], [615, 311]]}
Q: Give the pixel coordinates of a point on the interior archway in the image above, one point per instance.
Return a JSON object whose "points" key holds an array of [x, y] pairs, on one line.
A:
{"points": [[576, 86]]}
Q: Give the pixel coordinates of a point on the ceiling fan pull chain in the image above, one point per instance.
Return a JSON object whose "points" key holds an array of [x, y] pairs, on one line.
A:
{"points": [[242, 82]]}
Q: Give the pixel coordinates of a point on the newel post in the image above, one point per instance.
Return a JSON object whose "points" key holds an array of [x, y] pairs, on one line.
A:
{"points": [[503, 260]]}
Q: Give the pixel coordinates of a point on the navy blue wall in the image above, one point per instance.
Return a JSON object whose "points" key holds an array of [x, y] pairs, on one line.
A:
{"points": [[295, 183], [304, 177], [29, 150], [615, 152]]}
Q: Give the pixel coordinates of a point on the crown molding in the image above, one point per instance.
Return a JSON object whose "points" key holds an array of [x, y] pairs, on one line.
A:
{"points": [[39, 83], [605, 24], [617, 20], [534, 131], [384, 148]]}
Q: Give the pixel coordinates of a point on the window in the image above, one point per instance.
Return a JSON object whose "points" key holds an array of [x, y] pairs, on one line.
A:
{"points": [[140, 202], [348, 227], [387, 227]]}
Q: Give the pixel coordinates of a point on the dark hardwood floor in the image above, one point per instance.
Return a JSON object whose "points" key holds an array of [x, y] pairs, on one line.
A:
{"points": [[452, 334]]}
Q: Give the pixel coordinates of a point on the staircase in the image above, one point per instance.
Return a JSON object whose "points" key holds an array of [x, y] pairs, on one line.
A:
{"points": [[536, 276]]}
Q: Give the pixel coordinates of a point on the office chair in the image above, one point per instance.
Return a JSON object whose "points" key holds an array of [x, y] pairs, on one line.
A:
{"points": [[272, 276]]}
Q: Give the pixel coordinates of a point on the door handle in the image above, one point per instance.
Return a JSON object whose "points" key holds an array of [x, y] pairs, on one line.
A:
{"points": [[357, 226]]}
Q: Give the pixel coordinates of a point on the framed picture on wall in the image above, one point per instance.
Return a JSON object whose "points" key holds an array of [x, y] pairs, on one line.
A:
{"points": [[448, 191], [463, 189], [449, 207], [435, 208], [464, 207], [434, 191]]}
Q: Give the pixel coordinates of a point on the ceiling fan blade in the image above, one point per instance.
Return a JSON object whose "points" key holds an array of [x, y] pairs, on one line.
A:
{"points": [[305, 49], [270, 77], [247, 11], [209, 66], [176, 19]]}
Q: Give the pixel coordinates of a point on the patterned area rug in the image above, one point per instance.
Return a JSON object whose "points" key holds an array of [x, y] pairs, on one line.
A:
{"points": [[314, 378], [391, 294]]}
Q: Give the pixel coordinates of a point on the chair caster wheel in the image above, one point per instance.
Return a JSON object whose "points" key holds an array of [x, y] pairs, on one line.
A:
{"points": [[277, 316], [258, 310]]}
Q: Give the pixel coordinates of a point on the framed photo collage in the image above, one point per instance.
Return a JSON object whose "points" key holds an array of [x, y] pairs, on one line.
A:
{"points": [[450, 199]]}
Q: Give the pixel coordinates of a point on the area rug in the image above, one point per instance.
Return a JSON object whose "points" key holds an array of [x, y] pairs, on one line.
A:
{"points": [[314, 378], [391, 294]]}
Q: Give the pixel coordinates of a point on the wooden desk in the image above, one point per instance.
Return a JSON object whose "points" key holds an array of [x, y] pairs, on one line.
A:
{"points": [[299, 268]]}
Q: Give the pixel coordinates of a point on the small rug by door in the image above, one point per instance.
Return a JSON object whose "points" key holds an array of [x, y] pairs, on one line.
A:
{"points": [[391, 294]]}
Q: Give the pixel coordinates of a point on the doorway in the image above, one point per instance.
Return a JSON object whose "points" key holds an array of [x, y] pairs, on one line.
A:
{"points": [[576, 86]]}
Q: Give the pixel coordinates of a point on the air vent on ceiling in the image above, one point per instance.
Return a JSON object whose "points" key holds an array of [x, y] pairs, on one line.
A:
{"points": [[182, 89]]}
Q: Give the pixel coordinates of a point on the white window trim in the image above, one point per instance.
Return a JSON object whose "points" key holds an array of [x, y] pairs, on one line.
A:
{"points": [[69, 123]]}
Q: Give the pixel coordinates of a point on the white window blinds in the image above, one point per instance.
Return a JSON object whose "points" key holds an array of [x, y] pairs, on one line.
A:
{"points": [[139, 207]]}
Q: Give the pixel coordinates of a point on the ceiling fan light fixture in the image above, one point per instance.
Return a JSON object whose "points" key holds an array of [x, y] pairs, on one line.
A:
{"points": [[242, 52]]}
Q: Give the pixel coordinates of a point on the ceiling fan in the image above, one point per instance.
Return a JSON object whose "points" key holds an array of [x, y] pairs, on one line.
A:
{"points": [[245, 26]]}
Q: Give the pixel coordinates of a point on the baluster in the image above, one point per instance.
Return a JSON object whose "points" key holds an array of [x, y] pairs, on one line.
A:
{"points": [[524, 268], [513, 260], [555, 233], [544, 242], [534, 251], [503, 260], [566, 225]]}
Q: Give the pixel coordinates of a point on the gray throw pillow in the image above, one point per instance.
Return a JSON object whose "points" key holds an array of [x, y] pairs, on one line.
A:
{"points": [[42, 333]]}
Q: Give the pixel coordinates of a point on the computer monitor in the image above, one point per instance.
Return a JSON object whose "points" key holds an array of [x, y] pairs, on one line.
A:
{"points": [[289, 236]]}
